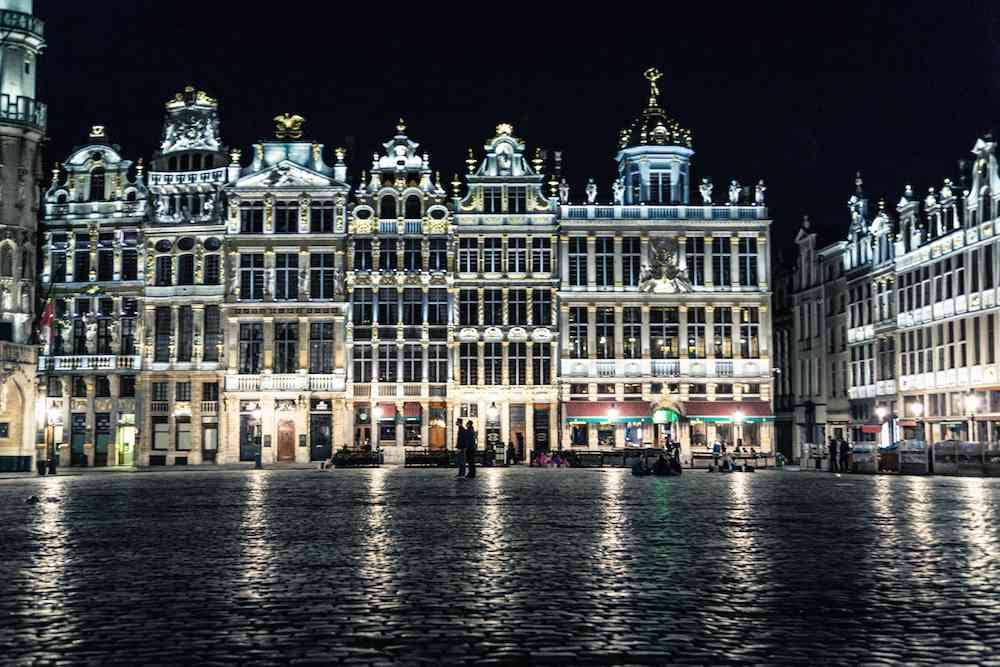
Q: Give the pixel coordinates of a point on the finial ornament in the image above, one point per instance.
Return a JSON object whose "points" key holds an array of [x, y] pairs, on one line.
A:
{"points": [[505, 130], [857, 181], [287, 126], [653, 75], [97, 132], [234, 156], [471, 161], [401, 126]]}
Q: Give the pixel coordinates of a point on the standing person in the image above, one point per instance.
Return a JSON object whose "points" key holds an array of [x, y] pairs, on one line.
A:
{"points": [[460, 448], [845, 453], [470, 448], [716, 453], [833, 454]]}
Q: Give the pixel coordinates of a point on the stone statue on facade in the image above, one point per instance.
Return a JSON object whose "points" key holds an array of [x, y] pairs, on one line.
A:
{"points": [[564, 191], [706, 191], [90, 332], [734, 193], [663, 275], [591, 191], [758, 193], [113, 335], [208, 206], [64, 328], [618, 191], [161, 206]]}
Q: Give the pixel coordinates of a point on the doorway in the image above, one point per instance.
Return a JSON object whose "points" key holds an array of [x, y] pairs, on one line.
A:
{"points": [[78, 437], [286, 440]]}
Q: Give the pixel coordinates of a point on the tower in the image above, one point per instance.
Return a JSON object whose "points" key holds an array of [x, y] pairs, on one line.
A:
{"points": [[22, 127]]}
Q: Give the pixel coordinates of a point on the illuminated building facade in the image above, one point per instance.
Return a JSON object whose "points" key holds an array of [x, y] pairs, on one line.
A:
{"points": [[22, 129]]}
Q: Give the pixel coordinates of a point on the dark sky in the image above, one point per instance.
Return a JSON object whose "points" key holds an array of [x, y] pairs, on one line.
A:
{"points": [[801, 97]]}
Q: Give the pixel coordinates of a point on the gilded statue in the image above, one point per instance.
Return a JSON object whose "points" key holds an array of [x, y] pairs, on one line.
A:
{"points": [[288, 126]]}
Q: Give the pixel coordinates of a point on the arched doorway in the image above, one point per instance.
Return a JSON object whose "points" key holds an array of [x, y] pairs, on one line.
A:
{"points": [[286, 440], [667, 417]]}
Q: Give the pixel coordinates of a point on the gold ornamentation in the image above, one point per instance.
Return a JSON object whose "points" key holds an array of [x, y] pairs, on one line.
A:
{"points": [[401, 126], [505, 130], [234, 156], [653, 75], [288, 126], [97, 132]]}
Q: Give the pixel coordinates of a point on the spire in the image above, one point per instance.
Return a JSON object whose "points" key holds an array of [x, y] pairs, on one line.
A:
{"points": [[858, 183]]}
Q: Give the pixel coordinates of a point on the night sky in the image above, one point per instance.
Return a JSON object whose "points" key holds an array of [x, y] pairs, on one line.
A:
{"points": [[801, 97]]}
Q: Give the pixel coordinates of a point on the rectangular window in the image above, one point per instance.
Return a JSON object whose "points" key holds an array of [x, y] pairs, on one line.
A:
{"points": [[604, 261], [631, 332], [321, 217], [286, 347], [161, 433], [747, 260], [81, 266], [517, 255], [631, 260], [161, 392], [362, 306], [722, 332], [605, 331], [412, 256], [517, 307], [541, 255], [388, 306], [664, 333], [58, 270], [252, 218], [492, 255], [182, 391], [126, 386], [541, 307], [468, 363], [322, 276], [164, 271], [252, 276], [286, 217], [210, 391], [362, 254], [251, 342], [163, 325], [517, 199], [212, 273], [78, 387], [492, 363], [696, 333], [541, 363], [468, 307], [577, 261], [185, 331], [102, 386], [437, 306], [959, 275], [213, 333], [722, 265], [183, 433], [695, 249], [749, 333], [579, 348], [468, 255], [286, 275], [492, 307], [106, 265], [517, 363], [388, 363], [437, 363], [492, 199], [437, 259], [362, 355], [974, 273], [413, 306], [387, 258], [413, 363], [321, 338], [988, 267]]}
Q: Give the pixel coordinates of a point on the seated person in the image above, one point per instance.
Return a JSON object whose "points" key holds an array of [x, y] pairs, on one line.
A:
{"points": [[555, 461], [662, 466], [639, 468]]}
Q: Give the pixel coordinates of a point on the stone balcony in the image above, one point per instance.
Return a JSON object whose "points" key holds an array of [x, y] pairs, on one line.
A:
{"points": [[612, 369], [89, 362], [287, 382]]}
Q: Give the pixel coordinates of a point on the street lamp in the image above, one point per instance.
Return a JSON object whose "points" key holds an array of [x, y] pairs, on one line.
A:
{"points": [[258, 454], [972, 406], [738, 419], [917, 410], [883, 413], [51, 417], [492, 412]]}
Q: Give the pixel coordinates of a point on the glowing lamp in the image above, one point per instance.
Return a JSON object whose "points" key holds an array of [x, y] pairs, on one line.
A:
{"points": [[882, 412], [972, 402], [916, 409]]}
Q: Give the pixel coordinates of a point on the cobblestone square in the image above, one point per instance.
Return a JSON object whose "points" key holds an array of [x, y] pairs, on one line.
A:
{"points": [[518, 565]]}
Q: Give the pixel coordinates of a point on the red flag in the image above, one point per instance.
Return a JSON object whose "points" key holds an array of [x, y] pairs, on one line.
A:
{"points": [[48, 314]]}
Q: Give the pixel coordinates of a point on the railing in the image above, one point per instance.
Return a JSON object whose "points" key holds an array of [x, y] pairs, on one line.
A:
{"points": [[216, 175], [209, 407], [11, 20], [663, 368], [17, 353], [23, 109], [362, 390], [634, 212], [412, 390], [242, 383], [437, 391], [283, 382], [159, 407], [606, 369], [333, 382], [89, 362], [724, 369], [387, 390], [666, 369]]}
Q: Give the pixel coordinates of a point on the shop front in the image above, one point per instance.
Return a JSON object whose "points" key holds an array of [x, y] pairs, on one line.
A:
{"points": [[412, 425], [734, 424], [608, 425]]}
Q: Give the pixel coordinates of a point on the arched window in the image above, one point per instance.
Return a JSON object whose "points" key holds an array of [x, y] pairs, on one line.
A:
{"points": [[185, 162], [209, 161], [25, 264], [986, 205], [61, 198], [196, 162], [6, 262], [97, 184], [172, 163], [387, 207], [412, 207], [130, 196], [185, 269]]}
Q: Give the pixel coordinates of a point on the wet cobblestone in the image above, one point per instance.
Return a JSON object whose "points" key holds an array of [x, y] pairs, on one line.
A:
{"points": [[395, 566]]}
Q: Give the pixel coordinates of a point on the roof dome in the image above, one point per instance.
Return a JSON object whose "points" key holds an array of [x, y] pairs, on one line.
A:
{"points": [[653, 127]]}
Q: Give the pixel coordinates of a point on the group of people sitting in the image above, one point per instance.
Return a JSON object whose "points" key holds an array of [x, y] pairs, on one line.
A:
{"points": [[662, 467], [546, 460], [725, 461]]}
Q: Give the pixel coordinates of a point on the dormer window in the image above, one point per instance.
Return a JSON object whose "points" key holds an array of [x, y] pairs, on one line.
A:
{"points": [[97, 184], [491, 199], [387, 208], [659, 187], [517, 199]]}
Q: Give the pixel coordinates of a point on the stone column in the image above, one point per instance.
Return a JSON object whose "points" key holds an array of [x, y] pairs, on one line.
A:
{"points": [[763, 259], [710, 336], [737, 345], [529, 428], [198, 347], [617, 246], [424, 425], [530, 304], [554, 421], [564, 258], [480, 366], [175, 324], [734, 259], [709, 274], [645, 339], [268, 344], [591, 331], [591, 262], [339, 346], [303, 342], [619, 351], [682, 322], [554, 352]]}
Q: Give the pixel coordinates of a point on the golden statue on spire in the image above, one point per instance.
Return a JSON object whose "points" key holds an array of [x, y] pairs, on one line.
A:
{"points": [[653, 75]]}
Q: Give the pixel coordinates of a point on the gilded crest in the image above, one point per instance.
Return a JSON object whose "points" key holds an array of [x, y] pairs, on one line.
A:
{"points": [[288, 126]]}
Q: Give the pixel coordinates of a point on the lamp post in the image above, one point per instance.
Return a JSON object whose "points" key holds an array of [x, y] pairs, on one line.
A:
{"points": [[258, 454], [51, 416], [972, 405], [883, 413], [738, 419], [917, 410]]}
